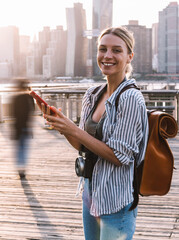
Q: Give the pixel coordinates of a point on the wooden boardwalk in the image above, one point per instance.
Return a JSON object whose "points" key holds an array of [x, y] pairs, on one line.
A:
{"points": [[43, 206]]}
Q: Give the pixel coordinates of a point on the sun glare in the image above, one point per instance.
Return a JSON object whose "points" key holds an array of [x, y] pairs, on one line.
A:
{"points": [[30, 16]]}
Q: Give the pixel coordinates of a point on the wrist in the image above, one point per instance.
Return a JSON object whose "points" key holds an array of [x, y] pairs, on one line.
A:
{"points": [[77, 132]]}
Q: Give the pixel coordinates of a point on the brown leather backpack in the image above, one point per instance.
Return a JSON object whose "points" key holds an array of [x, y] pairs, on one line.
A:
{"points": [[153, 176], [158, 164]]}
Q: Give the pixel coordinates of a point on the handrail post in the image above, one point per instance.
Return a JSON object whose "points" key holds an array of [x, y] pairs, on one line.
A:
{"points": [[1, 109], [177, 97]]}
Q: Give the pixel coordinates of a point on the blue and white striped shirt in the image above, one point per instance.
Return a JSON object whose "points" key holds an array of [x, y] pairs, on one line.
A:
{"points": [[126, 132]]}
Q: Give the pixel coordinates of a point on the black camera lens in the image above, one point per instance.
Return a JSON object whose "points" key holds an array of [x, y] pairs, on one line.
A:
{"points": [[79, 166]]}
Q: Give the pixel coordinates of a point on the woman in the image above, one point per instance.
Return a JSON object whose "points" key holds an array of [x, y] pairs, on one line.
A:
{"points": [[113, 137]]}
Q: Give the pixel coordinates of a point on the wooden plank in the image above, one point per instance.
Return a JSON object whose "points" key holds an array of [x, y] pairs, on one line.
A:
{"points": [[45, 206]]}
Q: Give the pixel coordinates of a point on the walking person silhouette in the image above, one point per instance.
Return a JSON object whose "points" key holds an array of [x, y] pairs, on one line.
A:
{"points": [[22, 107]]}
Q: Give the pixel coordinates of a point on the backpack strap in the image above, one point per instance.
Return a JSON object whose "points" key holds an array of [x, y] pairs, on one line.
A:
{"points": [[97, 88], [123, 90], [135, 182]]}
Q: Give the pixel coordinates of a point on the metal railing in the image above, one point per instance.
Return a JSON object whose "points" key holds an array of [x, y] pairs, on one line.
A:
{"points": [[70, 102]]}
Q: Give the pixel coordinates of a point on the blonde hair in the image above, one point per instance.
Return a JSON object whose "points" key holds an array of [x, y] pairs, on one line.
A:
{"points": [[126, 36]]}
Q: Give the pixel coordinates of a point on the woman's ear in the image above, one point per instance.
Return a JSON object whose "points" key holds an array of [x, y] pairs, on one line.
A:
{"points": [[130, 57]]}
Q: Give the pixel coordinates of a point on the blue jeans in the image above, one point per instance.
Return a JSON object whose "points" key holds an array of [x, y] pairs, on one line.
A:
{"points": [[116, 226], [22, 150]]}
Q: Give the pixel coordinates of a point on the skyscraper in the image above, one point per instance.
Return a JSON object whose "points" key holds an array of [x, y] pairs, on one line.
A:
{"points": [[54, 61], [102, 18], [76, 43], [34, 62], [168, 39], [9, 48], [155, 46], [24, 50], [102, 14], [44, 39], [142, 61]]}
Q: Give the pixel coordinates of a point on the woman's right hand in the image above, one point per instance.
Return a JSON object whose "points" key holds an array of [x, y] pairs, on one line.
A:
{"points": [[64, 125], [60, 122], [46, 109]]}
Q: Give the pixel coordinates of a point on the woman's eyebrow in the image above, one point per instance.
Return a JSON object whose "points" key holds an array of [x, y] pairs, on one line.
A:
{"points": [[117, 46]]}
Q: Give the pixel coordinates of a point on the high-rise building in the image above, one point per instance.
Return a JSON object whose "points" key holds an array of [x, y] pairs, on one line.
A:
{"points": [[76, 43], [5, 70], [155, 46], [54, 61], [34, 60], [102, 18], [30, 66], [168, 39], [102, 14], [24, 51], [44, 38], [89, 66], [37, 50], [142, 61], [9, 48]]}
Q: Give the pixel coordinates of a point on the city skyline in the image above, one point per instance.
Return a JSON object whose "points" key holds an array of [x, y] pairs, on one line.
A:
{"points": [[31, 16]]}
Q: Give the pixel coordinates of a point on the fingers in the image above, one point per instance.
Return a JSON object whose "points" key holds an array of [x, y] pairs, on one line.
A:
{"points": [[57, 111], [43, 108], [53, 118], [57, 120], [48, 110], [56, 125]]}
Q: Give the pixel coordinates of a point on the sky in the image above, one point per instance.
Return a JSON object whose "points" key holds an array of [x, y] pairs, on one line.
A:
{"points": [[30, 16]]}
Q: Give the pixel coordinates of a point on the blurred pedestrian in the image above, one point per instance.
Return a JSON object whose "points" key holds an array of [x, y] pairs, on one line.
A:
{"points": [[22, 108]]}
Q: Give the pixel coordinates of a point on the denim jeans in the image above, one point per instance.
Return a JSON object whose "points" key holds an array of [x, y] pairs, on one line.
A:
{"points": [[116, 226], [22, 150]]}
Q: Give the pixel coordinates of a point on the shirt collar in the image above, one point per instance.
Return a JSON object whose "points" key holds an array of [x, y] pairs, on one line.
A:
{"points": [[123, 84], [98, 91]]}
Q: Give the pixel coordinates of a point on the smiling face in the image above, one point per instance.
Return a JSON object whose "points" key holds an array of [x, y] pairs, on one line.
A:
{"points": [[113, 56]]}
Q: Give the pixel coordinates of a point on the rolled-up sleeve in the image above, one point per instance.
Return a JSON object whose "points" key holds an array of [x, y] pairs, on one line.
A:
{"points": [[126, 132]]}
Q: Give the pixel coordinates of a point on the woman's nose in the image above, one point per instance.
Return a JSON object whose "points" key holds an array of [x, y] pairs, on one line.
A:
{"points": [[108, 54]]}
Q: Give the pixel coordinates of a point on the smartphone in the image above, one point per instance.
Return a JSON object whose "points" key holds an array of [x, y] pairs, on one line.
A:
{"points": [[39, 99]]}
